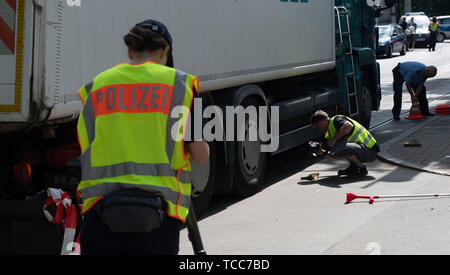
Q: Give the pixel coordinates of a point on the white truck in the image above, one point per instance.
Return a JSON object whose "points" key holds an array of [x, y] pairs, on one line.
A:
{"points": [[245, 52]]}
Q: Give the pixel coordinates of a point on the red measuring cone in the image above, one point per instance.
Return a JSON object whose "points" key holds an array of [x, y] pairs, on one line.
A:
{"points": [[414, 112]]}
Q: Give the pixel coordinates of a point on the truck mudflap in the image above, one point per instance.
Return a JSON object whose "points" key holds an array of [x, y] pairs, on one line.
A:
{"points": [[46, 224], [24, 230]]}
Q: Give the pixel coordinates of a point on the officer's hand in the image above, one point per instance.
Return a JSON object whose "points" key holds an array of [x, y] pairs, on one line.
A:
{"points": [[320, 151], [199, 151]]}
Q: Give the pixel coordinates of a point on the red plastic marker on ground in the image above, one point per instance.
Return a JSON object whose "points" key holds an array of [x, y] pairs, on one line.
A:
{"points": [[443, 109]]}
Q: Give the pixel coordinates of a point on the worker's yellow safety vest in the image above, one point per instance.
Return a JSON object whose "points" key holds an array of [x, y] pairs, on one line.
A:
{"points": [[125, 132], [434, 26], [359, 135]]}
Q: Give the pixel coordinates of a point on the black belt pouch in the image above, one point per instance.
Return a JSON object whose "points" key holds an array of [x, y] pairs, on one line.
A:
{"points": [[131, 211]]}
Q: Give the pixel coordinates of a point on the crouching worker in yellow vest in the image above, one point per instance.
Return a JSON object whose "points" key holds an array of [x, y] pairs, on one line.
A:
{"points": [[347, 139], [135, 182]]}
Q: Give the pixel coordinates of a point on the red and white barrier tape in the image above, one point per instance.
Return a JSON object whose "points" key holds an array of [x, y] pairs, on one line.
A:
{"points": [[68, 221]]}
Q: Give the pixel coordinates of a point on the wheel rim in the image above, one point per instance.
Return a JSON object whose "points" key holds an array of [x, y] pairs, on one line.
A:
{"points": [[200, 177], [250, 152]]}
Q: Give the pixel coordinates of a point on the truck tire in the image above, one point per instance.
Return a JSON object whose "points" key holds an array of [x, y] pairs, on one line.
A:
{"points": [[440, 37], [204, 177], [250, 162], [366, 102]]}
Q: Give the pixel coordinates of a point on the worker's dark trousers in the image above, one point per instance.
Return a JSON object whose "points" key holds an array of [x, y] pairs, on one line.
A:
{"points": [[433, 38], [398, 92], [97, 239]]}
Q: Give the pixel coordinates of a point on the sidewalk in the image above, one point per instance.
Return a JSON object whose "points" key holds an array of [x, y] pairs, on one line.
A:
{"points": [[434, 153]]}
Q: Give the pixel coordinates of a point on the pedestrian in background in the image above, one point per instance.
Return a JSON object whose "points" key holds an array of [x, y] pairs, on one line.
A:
{"points": [[434, 30], [136, 184], [412, 27], [404, 26], [414, 74]]}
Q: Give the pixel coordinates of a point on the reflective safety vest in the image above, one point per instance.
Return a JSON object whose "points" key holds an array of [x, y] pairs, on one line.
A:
{"points": [[129, 137], [359, 135], [434, 26]]}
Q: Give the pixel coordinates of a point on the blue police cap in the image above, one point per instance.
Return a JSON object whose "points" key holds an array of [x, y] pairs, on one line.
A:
{"points": [[157, 27]]}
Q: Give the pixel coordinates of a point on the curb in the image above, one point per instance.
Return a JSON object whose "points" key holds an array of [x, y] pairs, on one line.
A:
{"points": [[385, 156]]}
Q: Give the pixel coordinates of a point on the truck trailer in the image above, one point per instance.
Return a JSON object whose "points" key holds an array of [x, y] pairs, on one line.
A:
{"points": [[296, 56]]}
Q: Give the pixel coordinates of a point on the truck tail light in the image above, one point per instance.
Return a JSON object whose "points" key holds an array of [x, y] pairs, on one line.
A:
{"points": [[22, 174]]}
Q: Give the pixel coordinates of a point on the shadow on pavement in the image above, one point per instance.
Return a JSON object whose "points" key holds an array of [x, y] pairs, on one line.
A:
{"points": [[279, 167], [398, 175], [335, 181]]}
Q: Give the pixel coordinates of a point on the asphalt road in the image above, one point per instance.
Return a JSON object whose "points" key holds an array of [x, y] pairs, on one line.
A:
{"points": [[294, 216]]}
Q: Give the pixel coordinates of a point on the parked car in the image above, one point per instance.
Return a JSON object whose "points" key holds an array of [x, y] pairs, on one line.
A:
{"points": [[422, 33], [391, 39], [444, 27]]}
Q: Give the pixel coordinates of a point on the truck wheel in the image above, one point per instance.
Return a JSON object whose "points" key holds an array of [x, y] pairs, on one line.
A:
{"points": [[366, 103], [203, 177], [440, 37], [250, 161]]}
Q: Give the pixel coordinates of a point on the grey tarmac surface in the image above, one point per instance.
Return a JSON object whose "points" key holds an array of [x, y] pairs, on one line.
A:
{"points": [[433, 154], [291, 216]]}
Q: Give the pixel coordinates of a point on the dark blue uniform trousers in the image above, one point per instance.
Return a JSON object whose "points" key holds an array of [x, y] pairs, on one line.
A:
{"points": [[97, 239], [398, 91]]}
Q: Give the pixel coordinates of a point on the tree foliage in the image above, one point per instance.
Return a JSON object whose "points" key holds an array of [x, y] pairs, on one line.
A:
{"points": [[431, 7]]}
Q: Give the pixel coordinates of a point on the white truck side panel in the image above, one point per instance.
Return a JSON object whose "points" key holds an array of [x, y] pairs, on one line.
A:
{"points": [[225, 42], [14, 91]]}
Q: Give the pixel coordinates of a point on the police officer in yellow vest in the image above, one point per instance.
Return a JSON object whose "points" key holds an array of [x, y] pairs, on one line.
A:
{"points": [[347, 139], [135, 185], [434, 30]]}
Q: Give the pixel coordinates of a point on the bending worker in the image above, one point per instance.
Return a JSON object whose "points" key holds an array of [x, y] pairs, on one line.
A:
{"points": [[135, 185], [347, 140], [414, 74]]}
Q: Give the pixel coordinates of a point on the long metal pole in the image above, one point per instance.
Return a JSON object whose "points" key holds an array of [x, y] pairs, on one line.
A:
{"points": [[351, 197]]}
